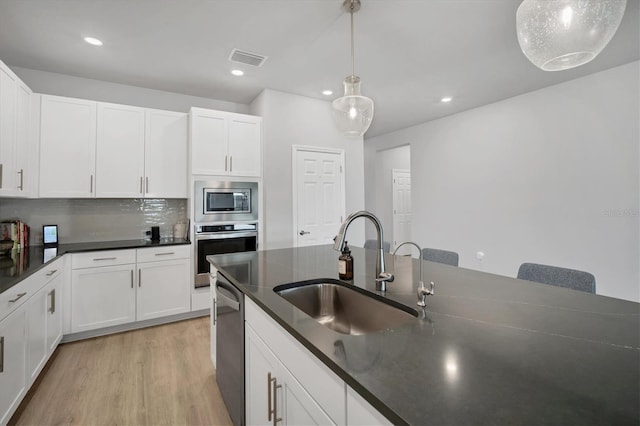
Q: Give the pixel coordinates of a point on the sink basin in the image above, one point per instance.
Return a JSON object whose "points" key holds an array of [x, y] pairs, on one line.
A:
{"points": [[345, 308]]}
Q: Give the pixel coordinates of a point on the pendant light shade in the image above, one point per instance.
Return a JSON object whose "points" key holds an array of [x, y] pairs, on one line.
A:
{"points": [[557, 35], [352, 113]]}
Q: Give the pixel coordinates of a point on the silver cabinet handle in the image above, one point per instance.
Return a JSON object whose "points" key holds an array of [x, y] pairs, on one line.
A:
{"points": [[269, 410], [132, 278], [91, 185], [272, 412], [104, 258], [2, 354], [225, 162], [141, 185], [21, 186], [231, 163], [303, 232], [166, 253], [139, 277], [52, 295], [1, 175], [214, 311], [52, 272], [147, 185], [18, 297]]}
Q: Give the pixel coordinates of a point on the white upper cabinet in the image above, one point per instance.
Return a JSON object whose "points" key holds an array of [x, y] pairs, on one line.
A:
{"points": [[8, 95], [96, 149], [120, 151], [67, 147], [25, 141], [225, 144], [165, 162]]}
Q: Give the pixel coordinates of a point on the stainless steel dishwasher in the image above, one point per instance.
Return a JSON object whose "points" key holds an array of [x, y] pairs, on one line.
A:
{"points": [[229, 316]]}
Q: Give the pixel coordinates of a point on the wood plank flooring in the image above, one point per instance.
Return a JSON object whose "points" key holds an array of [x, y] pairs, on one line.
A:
{"points": [[160, 375]]}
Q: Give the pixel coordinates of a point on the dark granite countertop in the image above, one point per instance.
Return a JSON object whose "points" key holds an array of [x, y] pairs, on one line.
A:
{"points": [[20, 265], [488, 349]]}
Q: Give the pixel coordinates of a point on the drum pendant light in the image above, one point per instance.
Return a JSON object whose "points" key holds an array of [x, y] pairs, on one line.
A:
{"points": [[352, 113], [557, 35]]}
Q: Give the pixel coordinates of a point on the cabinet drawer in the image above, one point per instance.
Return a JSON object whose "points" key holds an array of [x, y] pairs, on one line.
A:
{"points": [[102, 258], [157, 254], [21, 292]]}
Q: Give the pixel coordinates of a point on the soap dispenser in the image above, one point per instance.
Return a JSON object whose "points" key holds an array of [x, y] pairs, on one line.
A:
{"points": [[345, 264]]}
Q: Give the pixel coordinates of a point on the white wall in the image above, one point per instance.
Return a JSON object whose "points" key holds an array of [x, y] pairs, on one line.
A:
{"points": [[379, 166], [547, 177], [297, 120], [75, 87]]}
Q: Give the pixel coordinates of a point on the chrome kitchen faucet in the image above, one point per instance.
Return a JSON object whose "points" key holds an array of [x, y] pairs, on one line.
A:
{"points": [[382, 276]]}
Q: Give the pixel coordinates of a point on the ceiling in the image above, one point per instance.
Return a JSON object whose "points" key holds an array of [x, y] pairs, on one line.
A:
{"points": [[409, 53]]}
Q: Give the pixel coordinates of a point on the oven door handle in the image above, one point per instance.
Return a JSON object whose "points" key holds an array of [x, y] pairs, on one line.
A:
{"points": [[229, 298]]}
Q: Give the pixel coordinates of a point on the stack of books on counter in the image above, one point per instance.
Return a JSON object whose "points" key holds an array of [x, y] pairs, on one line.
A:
{"points": [[17, 231]]}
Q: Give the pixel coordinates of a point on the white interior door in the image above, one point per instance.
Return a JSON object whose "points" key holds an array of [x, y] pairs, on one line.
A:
{"points": [[401, 209], [318, 185]]}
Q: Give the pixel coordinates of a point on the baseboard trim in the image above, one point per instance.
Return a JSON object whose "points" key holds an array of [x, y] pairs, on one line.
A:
{"points": [[72, 337]]}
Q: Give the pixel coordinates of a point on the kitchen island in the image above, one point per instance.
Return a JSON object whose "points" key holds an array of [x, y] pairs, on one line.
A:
{"points": [[487, 349]]}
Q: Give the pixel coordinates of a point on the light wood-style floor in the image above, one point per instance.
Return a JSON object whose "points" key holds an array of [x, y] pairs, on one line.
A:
{"points": [[155, 376]]}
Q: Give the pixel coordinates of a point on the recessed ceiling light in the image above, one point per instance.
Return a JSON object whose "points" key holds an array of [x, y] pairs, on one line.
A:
{"points": [[446, 99], [237, 72], [327, 92], [93, 41]]}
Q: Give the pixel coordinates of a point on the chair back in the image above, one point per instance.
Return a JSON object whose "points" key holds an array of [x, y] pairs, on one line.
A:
{"points": [[440, 256], [561, 277]]}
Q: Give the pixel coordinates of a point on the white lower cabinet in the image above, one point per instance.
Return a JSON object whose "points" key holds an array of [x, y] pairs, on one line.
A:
{"points": [[284, 378], [272, 392], [162, 289], [134, 285], [12, 363], [102, 297], [213, 305], [30, 329]]}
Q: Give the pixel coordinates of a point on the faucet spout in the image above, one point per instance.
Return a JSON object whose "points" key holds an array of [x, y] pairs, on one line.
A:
{"points": [[382, 276]]}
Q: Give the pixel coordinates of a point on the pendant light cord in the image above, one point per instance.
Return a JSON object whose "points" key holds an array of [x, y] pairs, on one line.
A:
{"points": [[353, 66]]}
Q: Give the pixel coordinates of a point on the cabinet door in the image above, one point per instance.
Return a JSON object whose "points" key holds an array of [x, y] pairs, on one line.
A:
{"points": [[24, 143], [298, 407], [260, 366], [8, 92], [12, 363], [119, 151], [53, 292], [67, 147], [36, 317], [165, 163], [163, 289], [208, 143], [102, 297], [244, 146]]}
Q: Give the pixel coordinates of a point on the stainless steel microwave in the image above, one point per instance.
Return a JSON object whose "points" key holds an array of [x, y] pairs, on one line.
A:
{"points": [[223, 201]]}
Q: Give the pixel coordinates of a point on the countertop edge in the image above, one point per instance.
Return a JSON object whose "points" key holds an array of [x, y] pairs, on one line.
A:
{"points": [[71, 248]]}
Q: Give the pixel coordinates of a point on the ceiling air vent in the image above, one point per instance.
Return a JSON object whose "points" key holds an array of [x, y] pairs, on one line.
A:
{"points": [[247, 58]]}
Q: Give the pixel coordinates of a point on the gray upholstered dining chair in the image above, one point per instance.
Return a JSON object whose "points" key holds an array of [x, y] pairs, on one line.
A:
{"points": [[561, 277], [371, 244], [440, 256]]}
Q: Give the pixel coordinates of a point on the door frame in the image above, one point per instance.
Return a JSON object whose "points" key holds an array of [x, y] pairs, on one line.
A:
{"points": [[394, 173], [294, 183]]}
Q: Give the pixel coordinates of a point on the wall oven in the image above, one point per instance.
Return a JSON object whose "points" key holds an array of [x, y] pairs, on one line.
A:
{"points": [[224, 201], [218, 239]]}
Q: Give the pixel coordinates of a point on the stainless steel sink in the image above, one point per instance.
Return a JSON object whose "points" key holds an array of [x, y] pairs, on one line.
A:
{"points": [[345, 308]]}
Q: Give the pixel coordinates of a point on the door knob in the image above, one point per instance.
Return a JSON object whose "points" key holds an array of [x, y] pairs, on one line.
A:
{"points": [[303, 232]]}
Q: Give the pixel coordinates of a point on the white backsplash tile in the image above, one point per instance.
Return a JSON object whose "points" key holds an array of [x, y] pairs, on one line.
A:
{"points": [[87, 220]]}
